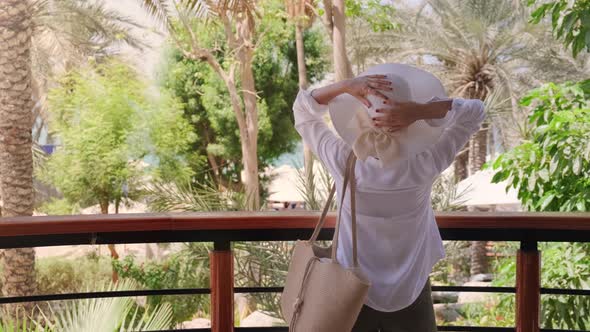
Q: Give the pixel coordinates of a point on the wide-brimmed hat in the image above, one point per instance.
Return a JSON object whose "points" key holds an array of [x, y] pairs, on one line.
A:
{"points": [[352, 119]]}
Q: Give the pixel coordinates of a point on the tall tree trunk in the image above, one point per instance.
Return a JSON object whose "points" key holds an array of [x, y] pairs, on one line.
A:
{"points": [[460, 164], [478, 149], [302, 70], [16, 160], [342, 67], [245, 29], [104, 209], [477, 157]]}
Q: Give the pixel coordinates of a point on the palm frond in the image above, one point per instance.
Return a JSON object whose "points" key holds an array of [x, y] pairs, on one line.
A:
{"points": [[445, 195], [161, 10], [109, 314], [315, 190], [177, 197]]}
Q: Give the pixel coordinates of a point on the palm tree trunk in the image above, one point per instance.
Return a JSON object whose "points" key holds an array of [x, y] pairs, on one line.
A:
{"points": [[16, 166], [342, 67], [477, 157], [460, 164], [478, 146]]}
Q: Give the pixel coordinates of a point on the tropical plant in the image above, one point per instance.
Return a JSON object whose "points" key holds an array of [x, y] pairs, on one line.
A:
{"points": [[110, 314], [550, 171], [570, 21], [101, 314], [315, 190], [478, 47], [42, 36], [551, 167], [185, 196]]}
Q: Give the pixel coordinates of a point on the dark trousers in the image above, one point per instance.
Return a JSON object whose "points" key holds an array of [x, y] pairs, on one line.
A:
{"points": [[418, 317]]}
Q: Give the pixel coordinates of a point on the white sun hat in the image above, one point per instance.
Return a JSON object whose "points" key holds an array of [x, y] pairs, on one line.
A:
{"points": [[352, 119]]}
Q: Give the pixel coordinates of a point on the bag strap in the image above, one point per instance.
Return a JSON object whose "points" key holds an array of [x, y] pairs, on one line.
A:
{"points": [[322, 220], [348, 177]]}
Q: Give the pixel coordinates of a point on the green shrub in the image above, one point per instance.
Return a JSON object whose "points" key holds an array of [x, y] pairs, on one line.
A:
{"points": [[60, 275], [565, 265], [188, 268]]}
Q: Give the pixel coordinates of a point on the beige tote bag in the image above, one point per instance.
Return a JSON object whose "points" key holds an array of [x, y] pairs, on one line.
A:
{"points": [[324, 296]]}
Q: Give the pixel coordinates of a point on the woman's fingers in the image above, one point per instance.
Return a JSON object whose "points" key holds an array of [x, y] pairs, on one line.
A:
{"points": [[384, 122], [378, 93], [364, 101], [381, 86], [379, 76]]}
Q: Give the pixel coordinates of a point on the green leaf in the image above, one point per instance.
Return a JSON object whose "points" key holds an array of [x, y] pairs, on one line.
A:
{"points": [[581, 205], [576, 166], [498, 161], [553, 164], [544, 174], [500, 176], [545, 201]]}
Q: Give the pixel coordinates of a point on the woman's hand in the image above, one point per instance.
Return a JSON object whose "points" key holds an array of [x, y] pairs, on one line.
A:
{"points": [[363, 86], [359, 87], [398, 115]]}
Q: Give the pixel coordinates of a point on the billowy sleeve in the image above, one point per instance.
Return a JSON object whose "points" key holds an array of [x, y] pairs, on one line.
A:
{"points": [[325, 144], [465, 118]]}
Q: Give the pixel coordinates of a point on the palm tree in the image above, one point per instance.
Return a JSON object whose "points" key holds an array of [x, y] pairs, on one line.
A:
{"points": [[16, 160], [479, 48], [36, 37]]}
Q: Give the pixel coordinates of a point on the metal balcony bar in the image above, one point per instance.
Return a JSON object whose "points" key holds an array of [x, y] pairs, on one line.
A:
{"points": [[224, 228]]}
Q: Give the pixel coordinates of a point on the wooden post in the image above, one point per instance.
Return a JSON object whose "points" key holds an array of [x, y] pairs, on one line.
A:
{"points": [[528, 287], [222, 287]]}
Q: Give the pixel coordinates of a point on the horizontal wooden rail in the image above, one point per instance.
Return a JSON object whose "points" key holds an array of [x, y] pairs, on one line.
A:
{"points": [[47, 225], [226, 227]]}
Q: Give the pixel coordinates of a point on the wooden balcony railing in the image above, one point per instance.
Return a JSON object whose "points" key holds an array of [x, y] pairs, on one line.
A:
{"points": [[224, 228]]}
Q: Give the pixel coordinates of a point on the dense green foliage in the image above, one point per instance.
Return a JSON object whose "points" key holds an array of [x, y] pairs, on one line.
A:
{"points": [[551, 168], [206, 102], [186, 269], [377, 14], [570, 21], [107, 124]]}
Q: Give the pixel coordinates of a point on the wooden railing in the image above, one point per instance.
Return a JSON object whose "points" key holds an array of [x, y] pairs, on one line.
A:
{"points": [[224, 228]]}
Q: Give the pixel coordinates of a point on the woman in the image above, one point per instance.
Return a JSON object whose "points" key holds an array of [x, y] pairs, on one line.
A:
{"points": [[398, 239]]}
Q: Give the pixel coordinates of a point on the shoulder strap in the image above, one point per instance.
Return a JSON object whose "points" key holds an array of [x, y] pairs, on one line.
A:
{"points": [[349, 177]]}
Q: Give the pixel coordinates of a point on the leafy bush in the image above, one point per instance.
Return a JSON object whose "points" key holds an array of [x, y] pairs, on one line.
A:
{"points": [[188, 268], [60, 275], [550, 170], [59, 207], [565, 265]]}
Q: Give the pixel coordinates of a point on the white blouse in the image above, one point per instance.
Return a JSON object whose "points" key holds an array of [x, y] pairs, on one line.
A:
{"points": [[398, 239]]}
